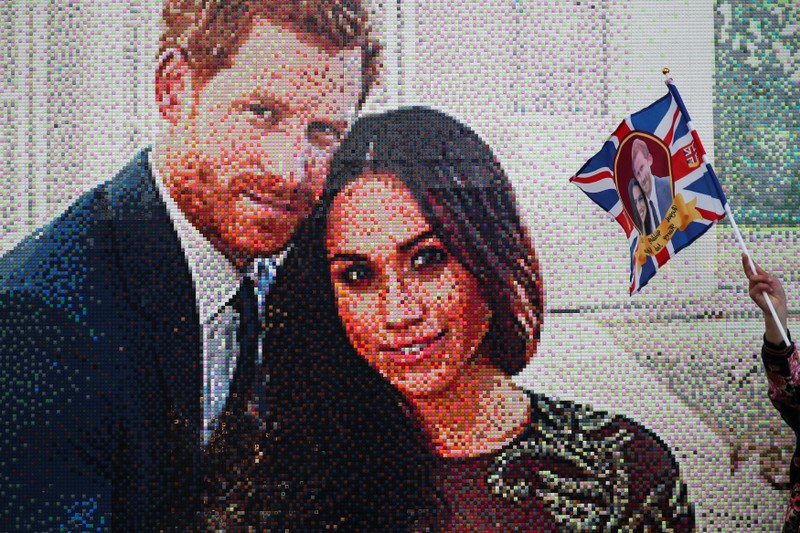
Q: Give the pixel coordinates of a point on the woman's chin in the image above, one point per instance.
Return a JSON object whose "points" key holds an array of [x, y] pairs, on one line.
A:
{"points": [[424, 384]]}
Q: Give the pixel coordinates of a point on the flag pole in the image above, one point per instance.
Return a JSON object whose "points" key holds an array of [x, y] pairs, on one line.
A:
{"points": [[753, 269], [672, 89]]}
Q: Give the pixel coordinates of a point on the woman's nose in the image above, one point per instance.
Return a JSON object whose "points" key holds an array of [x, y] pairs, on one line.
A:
{"points": [[403, 305]]}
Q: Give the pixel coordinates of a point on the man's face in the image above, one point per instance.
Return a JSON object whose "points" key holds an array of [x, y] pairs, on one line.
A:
{"points": [[641, 171], [249, 159]]}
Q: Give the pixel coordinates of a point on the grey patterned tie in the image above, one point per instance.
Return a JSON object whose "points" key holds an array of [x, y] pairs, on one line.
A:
{"points": [[231, 348], [264, 272], [222, 352], [235, 346]]}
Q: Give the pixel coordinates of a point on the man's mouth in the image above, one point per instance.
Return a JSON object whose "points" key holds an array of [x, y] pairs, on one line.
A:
{"points": [[271, 202]]}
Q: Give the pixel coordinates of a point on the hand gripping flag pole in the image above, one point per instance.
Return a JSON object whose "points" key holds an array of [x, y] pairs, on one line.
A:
{"points": [[753, 268]]}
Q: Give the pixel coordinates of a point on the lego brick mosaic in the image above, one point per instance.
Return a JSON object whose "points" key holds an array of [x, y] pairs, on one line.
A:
{"points": [[317, 265]]}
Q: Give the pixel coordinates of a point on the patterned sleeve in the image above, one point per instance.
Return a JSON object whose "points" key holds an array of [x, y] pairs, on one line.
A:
{"points": [[782, 365], [783, 377]]}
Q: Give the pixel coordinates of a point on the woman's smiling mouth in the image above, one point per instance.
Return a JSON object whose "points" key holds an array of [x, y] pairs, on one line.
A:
{"points": [[412, 352]]}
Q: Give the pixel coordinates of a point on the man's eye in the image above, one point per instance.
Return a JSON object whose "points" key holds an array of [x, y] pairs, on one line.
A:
{"points": [[428, 257], [355, 275], [264, 112], [323, 135]]}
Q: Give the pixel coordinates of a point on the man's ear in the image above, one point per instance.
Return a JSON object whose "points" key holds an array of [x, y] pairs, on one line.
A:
{"points": [[174, 85]]}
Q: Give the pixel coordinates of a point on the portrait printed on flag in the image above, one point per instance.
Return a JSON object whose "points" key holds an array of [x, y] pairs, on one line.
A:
{"points": [[644, 180], [654, 158]]}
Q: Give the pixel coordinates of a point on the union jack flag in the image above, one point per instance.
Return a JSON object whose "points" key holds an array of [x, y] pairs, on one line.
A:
{"points": [[660, 215]]}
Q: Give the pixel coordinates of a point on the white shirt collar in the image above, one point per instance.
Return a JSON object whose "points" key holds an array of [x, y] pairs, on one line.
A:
{"points": [[274, 262], [215, 278]]}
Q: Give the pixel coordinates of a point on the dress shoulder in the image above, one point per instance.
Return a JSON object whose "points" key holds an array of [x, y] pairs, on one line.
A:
{"points": [[592, 471]]}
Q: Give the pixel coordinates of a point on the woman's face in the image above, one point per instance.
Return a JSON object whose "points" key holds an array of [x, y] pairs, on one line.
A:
{"points": [[409, 308], [639, 201]]}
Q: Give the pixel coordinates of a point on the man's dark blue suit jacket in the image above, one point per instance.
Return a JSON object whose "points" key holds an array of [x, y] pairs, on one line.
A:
{"points": [[100, 384]]}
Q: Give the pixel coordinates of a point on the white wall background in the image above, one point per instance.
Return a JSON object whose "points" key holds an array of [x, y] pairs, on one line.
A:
{"points": [[77, 100]]}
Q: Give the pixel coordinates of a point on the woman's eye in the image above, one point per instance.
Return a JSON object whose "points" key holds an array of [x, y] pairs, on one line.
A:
{"points": [[428, 257], [355, 275]]}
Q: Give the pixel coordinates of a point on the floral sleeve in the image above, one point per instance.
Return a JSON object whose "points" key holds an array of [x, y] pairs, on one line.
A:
{"points": [[782, 364], [783, 375]]}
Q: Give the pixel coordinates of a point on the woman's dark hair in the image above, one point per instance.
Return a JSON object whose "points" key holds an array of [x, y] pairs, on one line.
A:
{"points": [[643, 225], [320, 440], [468, 200]]}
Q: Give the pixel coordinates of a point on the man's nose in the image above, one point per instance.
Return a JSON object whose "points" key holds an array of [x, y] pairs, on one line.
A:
{"points": [[296, 154]]}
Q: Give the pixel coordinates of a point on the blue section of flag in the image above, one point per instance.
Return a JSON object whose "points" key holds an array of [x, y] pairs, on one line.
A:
{"points": [[681, 129], [606, 198], [648, 118], [602, 159]]}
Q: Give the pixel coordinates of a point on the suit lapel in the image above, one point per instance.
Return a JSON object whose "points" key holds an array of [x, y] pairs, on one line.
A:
{"points": [[155, 279]]}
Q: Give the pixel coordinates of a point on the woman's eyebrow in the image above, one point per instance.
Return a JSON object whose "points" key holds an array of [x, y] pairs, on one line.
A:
{"points": [[402, 247], [413, 241], [348, 257]]}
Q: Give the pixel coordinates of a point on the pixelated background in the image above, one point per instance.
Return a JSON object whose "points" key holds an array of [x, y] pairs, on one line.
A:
{"points": [[544, 83]]}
